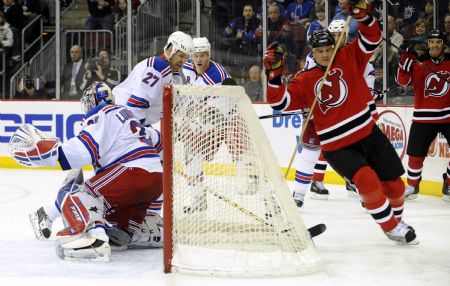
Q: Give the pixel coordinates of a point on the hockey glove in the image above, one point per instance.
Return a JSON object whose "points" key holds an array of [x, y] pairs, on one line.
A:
{"points": [[376, 94], [407, 60], [273, 61], [360, 9]]}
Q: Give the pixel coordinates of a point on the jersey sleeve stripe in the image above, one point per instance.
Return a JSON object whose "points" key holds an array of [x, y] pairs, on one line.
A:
{"points": [[283, 103], [110, 108], [91, 145], [365, 45], [62, 159], [166, 71], [138, 102], [207, 79], [345, 127], [138, 153]]}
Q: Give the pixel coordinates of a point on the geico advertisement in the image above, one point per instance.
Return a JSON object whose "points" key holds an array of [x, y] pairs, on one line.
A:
{"points": [[62, 119]]}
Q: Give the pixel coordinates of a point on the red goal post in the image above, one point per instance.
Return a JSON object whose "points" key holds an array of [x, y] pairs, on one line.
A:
{"points": [[227, 208]]}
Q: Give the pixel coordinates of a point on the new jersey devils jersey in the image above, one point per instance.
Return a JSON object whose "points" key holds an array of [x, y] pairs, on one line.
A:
{"points": [[431, 86], [215, 74], [142, 90], [342, 115], [112, 135]]}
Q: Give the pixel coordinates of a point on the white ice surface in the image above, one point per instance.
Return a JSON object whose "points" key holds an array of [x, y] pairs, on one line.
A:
{"points": [[355, 250]]}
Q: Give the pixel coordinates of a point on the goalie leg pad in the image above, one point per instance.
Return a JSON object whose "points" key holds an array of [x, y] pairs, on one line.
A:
{"points": [[81, 211]]}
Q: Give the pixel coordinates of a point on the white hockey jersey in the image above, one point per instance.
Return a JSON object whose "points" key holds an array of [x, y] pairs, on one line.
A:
{"points": [[112, 135], [142, 90], [215, 74]]}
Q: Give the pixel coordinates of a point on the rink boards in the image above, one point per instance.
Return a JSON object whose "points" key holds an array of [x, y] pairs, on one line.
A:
{"points": [[62, 119]]}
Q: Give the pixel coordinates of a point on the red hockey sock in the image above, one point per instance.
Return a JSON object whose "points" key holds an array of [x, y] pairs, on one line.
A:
{"points": [[319, 169], [415, 165], [375, 201], [395, 190]]}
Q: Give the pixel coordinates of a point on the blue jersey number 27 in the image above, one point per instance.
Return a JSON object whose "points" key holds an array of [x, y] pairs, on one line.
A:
{"points": [[150, 79]]}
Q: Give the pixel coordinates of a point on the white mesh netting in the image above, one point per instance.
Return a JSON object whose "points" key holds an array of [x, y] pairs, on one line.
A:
{"points": [[233, 213]]}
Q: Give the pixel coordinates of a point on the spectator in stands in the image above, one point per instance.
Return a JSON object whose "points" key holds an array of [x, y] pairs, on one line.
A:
{"points": [[298, 11], [447, 30], [30, 89], [421, 31], [120, 10], [277, 26], [253, 86], [6, 36], [394, 37], [269, 3], [48, 9], [99, 69], [312, 13], [242, 31], [319, 23], [14, 14], [408, 15], [342, 14], [101, 16], [72, 75], [427, 12]]}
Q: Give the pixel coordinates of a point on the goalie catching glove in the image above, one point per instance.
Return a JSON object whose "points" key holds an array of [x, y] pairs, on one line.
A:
{"points": [[32, 148], [360, 9], [273, 61]]}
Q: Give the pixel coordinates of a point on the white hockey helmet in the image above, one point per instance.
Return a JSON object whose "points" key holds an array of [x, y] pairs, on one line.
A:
{"points": [[96, 94], [201, 45], [179, 41], [337, 26]]}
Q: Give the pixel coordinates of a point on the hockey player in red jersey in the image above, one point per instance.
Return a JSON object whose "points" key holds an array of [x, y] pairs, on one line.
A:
{"points": [[429, 76], [351, 141]]}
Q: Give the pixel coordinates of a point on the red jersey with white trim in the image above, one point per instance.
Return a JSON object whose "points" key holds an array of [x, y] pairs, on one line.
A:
{"points": [[431, 89], [342, 115], [142, 90], [111, 135]]}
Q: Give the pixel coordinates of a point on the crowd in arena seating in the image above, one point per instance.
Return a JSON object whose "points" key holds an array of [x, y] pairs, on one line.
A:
{"points": [[237, 33]]}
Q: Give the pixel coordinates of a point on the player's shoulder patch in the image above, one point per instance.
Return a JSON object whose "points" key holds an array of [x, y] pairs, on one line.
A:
{"points": [[158, 63]]}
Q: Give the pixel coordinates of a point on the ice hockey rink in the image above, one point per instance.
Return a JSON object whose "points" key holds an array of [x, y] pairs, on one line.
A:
{"points": [[354, 249]]}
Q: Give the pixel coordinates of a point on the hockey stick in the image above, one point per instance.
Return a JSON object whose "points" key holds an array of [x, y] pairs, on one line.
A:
{"points": [[416, 61], [281, 114], [308, 118], [313, 231]]}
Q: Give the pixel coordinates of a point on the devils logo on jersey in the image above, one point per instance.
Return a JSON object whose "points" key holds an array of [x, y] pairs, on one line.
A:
{"points": [[436, 84], [334, 90]]}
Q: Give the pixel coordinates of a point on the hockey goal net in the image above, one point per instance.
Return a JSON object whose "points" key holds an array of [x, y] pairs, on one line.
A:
{"points": [[227, 208]]}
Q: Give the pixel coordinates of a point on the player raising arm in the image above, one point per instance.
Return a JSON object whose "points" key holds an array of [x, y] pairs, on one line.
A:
{"points": [[128, 177], [351, 142], [429, 76]]}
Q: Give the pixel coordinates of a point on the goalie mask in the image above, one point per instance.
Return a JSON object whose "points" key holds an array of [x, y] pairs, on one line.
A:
{"points": [[97, 93], [179, 41]]}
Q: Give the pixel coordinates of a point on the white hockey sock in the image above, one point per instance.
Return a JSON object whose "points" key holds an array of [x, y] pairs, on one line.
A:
{"points": [[304, 166], [52, 211]]}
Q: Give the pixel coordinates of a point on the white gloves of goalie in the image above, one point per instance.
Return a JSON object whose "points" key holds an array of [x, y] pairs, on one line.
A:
{"points": [[32, 148]]}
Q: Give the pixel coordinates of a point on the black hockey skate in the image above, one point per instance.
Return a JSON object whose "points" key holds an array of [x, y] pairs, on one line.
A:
{"points": [[318, 191], [445, 189], [41, 224]]}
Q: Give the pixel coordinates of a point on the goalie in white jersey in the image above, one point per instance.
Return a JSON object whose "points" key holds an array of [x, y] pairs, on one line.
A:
{"points": [[142, 90], [128, 177]]}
